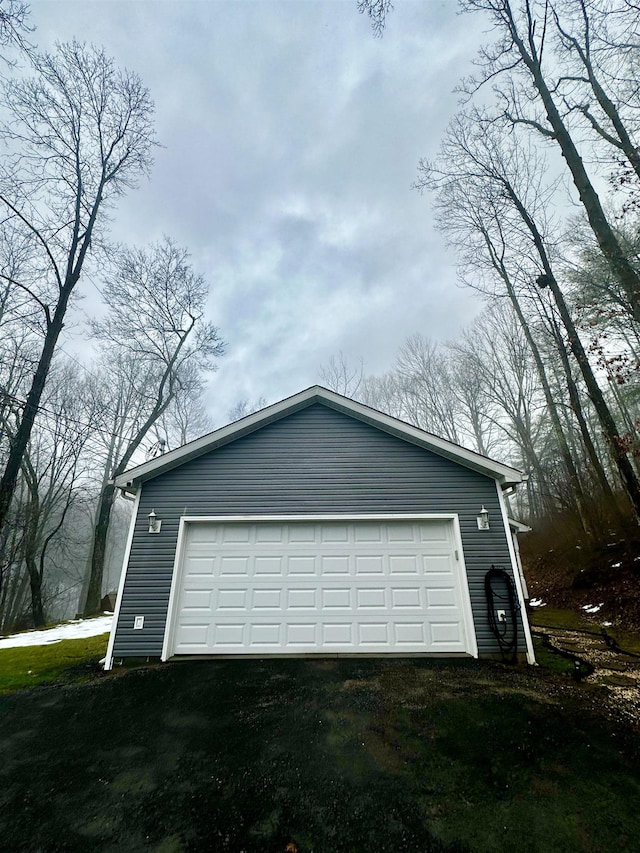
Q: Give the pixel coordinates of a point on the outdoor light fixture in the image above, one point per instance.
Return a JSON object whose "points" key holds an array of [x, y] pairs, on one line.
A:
{"points": [[483, 519], [155, 523]]}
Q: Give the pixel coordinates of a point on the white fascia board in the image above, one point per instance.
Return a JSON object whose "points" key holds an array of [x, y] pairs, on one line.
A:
{"points": [[504, 474], [518, 526]]}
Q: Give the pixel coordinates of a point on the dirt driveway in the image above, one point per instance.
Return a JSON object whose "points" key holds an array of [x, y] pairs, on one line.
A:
{"points": [[323, 756]]}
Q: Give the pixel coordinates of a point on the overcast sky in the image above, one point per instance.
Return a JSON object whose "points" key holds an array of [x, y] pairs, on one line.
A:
{"points": [[291, 139]]}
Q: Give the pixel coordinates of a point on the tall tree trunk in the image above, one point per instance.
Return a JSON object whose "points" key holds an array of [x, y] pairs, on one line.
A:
{"points": [[94, 592], [576, 406], [19, 441], [607, 422], [565, 451], [35, 583], [619, 263], [30, 547], [17, 600]]}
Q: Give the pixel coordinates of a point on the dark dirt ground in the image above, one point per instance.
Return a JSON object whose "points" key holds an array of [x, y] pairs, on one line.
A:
{"points": [[568, 571], [325, 756]]}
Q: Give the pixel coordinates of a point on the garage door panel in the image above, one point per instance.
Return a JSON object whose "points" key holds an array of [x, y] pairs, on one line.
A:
{"points": [[230, 566], [236, 534], [337, 598], [301, 566], [433, 531], [270, 533], [197, 599], [369, 564], [443, 597], [336, 533], [373, 634], [346, 586], [301, 634], [230, 634], [232, 599], [304, 598], [337, 634], [367, 532], [271, 566], [265, 634], [335, 564], [407, 597], [372, 598], [409, 633], [267, 598], [200, 566], [303, 533], [444, 633]]}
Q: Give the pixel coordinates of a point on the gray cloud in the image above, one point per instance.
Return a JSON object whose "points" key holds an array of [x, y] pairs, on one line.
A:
{"points": [[291, 142]]}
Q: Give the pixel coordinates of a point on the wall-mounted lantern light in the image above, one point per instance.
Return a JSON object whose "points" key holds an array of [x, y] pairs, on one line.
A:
{"points": [[154, 523], [483, 519]]}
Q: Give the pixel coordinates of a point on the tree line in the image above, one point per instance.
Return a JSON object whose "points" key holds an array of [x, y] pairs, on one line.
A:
{"points": [[78, 134], [536, 188]]}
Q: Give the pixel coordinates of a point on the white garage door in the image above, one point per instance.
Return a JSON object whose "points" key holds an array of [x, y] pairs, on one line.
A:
{"points": [[291, 587]]}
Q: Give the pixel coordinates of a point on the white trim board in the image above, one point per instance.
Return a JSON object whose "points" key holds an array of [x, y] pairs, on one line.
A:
{"points": [[123, 576], [531, 658]]}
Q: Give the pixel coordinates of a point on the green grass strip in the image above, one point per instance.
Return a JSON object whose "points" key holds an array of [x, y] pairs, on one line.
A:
{"points": [[65, 661]]}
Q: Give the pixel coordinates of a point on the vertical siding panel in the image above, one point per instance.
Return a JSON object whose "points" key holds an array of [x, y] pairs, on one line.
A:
{"points": [[314, 461]]}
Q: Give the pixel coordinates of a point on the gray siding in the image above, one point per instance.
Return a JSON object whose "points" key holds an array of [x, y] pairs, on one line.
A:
{"points": [[313, 461]]}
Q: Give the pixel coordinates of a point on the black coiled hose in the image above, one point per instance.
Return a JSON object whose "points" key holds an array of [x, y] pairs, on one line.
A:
{"points": [[501, 595]]}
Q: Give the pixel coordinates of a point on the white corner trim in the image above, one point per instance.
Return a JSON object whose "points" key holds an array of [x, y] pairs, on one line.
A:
{"points": [[176, 575], [463, 577], [531, 658], [123, 576]]}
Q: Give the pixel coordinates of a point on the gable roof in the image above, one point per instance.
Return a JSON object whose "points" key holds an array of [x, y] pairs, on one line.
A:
{"points": [[504, 474]]}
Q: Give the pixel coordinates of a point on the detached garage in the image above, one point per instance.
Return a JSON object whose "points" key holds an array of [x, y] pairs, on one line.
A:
{"points": [[317, 526]]}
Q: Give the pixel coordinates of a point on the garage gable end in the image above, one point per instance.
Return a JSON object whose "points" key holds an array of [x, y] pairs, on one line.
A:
{"points": [[314, 462]]}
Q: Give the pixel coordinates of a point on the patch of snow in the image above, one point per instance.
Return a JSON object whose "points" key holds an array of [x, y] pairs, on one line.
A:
{"points": [[73, 630], [537, 602], [592, 608], [615, 565], [607, 624]]}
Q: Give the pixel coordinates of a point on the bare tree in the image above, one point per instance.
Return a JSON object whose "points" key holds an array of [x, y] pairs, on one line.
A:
{"points": [[14, 27], [342, 377], [52, 466], [497, 350], [186, 419], [524, 73], [81, 134], [158, 345], [245, 407], [508, 180]]}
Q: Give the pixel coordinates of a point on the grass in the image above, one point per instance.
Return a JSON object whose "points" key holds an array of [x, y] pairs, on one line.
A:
{"points": [[65, 661], [547, 617]]}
